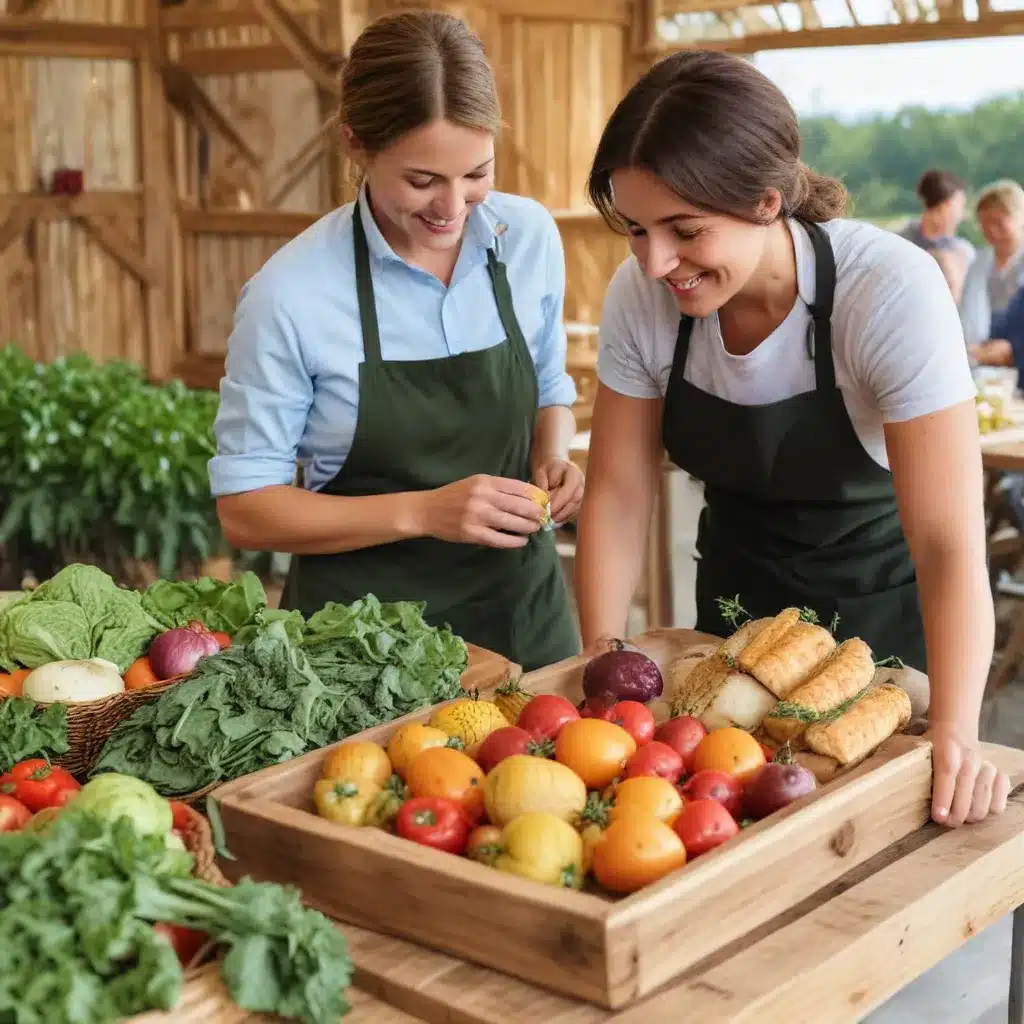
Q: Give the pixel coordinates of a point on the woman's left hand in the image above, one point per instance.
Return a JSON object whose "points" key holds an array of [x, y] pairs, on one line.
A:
{"points": [[966, 787], [563, 480]]}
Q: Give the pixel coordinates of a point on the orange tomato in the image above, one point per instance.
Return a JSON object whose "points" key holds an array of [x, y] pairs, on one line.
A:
{"points": [[449, 773], [596, 750], [409, 741], [646, 794], [11, 682], [635, 851], [729, 750], [140, 674]]}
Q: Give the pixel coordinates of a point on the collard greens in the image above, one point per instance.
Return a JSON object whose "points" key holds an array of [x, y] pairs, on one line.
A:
{"points": [[222, 607], [273, 698]]}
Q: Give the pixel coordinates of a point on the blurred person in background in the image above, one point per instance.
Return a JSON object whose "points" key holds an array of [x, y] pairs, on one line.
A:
{"points": [[997, 271], [954, 269], [945, 198]]}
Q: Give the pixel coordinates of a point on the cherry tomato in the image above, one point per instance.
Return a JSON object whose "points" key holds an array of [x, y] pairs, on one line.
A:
{"points": [[636, 719], [140, 675], [451, 774], [704, 824], [507, 742], [729, 750], [38, 784], [484, 844], [596, 707], [655, 758], [435, 822], [186, 942], [597, 751], [14, 815], [181, 816], [683, 734], [545, 715], [635, 851], [714, 785], [11, 683], [646, 794]]}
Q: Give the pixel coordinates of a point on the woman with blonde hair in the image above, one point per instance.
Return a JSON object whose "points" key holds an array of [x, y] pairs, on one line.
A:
{"points": [[408, 350], [997, 271]]}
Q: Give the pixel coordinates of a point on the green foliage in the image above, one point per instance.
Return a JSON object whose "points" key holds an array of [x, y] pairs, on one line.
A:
{"points": [[880, 158], [98, 465]]}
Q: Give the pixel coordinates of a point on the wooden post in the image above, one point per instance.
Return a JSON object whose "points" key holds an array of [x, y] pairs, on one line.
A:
{"points": [[157, 197]]}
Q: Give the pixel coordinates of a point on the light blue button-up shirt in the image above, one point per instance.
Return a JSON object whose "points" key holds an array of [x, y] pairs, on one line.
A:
{"points": [[290, 393]]}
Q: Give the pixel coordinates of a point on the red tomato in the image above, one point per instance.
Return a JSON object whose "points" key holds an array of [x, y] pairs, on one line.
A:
{"points": [[595, 707], [223, 639], [769, 754], [14, 815], [655, 758], [682, 734], [636, 719], [38, 784], [506, 742], [545, 715], [484, 844], [433, 821], [186, 942], [181, 815], [702, 825], [713, 785]]}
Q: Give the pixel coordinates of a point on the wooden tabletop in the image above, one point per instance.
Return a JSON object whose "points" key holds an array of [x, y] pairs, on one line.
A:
{"points": [[835, 957], [1003, 456]]}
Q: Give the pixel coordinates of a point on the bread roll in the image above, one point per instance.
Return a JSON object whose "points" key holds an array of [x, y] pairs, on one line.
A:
{"points": [[737, 643], [765, 637], [882, 711], [794, 658]]}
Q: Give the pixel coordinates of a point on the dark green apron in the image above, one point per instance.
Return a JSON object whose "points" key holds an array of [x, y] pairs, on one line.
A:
{"points": [[797, 514], [423, 424]]}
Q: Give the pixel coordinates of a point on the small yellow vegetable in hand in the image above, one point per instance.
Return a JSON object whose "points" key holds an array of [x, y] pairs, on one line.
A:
{"points": [[471, 721]]}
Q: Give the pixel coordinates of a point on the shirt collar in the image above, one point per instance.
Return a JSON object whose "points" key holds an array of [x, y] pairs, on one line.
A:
{"points": [[482, 230]]}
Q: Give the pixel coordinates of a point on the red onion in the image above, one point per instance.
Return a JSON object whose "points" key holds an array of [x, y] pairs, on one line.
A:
{"points": [[178, 651], [622, 674]]}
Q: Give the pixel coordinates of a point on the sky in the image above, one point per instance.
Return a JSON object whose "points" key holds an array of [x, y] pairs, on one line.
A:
{"points": [[855, 81]]}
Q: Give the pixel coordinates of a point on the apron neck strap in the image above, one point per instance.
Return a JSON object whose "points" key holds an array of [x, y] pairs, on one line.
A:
{"points": [[503, 298], [819, 331], [364, 291]]}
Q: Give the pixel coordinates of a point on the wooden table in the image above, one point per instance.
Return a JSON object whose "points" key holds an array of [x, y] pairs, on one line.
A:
{"points": [[834, 958]]}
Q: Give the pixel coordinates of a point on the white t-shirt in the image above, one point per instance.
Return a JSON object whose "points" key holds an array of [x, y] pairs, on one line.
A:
{"points": [[897, 343]]}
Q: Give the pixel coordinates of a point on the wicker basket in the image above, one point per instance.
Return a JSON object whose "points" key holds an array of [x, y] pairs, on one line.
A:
{"points": [[198, 839], [90, 724]]}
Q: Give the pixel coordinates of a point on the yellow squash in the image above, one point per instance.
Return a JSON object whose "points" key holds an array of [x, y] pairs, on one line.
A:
{"points": [[469, 720], [523, 784], [544, 848]]}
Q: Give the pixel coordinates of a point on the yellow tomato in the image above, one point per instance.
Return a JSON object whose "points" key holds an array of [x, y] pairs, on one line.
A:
{"points": [[596, 750], [544, 848], [410, 740], [635, 851], [344, 800], [522, 783], [470, 721], [730, 750], [646, 794], [358, 760]]}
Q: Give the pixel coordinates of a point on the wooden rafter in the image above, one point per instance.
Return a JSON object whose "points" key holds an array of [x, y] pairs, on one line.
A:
{"points": [[809, 17], [185, 93], [300, 165], [285, 28], [13, 227], [122, 248], [22, 36]]}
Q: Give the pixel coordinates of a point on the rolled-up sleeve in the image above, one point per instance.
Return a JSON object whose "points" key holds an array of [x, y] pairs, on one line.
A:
{"points": [[554, 383], [265, 397]]}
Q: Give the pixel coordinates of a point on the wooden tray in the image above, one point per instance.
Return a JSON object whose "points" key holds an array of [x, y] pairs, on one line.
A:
{"points": [[609, 952]]}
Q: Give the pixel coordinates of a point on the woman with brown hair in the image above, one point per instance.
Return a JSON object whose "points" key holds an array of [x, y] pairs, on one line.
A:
{"points": [[408, 351], [944, 196], [811, 371]]}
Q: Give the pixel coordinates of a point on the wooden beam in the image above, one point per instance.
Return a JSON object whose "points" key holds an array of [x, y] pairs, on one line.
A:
{"points": [[192, 100], [809, 17], [1006, 23], [296, 170], [40, 206], [120, 246], [308, 55], [234, 60], [34, 37], [13, 227], [24, 8], [253, 223]]}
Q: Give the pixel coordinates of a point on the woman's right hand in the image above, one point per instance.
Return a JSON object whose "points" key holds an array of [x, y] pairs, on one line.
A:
{"points": [[489, 510]]}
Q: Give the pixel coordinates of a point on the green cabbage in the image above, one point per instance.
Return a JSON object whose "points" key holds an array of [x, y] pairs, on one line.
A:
{"points": [[111, 796]]}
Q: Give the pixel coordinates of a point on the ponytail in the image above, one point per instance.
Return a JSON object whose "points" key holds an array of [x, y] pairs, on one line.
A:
{"points": [[816, 197]]}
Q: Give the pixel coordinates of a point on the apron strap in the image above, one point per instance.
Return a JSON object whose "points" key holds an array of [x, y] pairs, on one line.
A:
{"points": [[819, 331], [682, 349], [364, 292], [503, 298]]}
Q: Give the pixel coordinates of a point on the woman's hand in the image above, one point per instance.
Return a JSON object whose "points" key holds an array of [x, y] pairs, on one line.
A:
{"points": [[490, 510], [997, 352], [966, 788], [563, 480]]}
